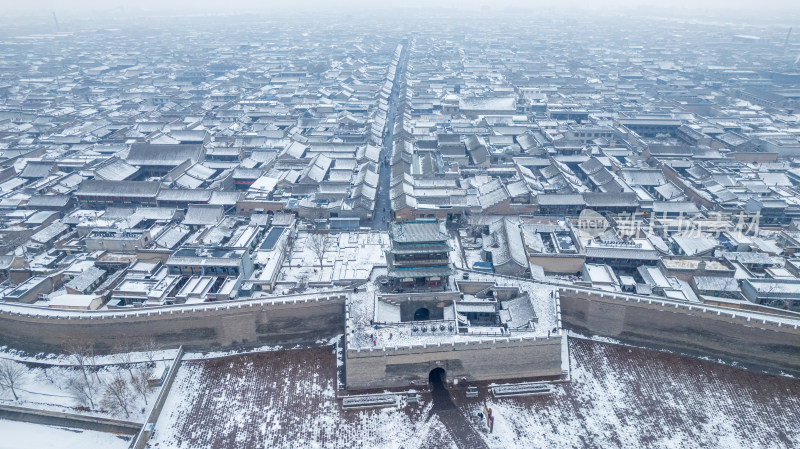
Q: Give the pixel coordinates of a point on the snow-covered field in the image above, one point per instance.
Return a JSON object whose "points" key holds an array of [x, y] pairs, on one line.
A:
{"points": [[17, 435], [624, 397], [619, 397]]}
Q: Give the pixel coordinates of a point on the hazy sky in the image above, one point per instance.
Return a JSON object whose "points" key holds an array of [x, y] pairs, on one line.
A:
{"points": [[234, 6], [783, 13]]}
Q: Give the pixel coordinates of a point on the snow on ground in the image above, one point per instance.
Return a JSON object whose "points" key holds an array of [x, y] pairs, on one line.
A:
{"points": [[217, 354], [45, 388], [66, 360], [362, 303], [16, 435], [362, 306], [265, 348], [281, 399], [573, 334], [348, 256], [472, 256], [457, 255], [620, 397], [541, 294]]}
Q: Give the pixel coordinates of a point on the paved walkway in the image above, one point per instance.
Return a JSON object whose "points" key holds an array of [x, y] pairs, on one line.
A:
{"points": [[458, 426]]}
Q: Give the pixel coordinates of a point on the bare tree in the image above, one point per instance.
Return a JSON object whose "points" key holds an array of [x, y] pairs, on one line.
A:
{"points": [[117, 395], [48, 375], [81, 353], [316, 242], [123, 355], [10, 243], [83, 389], [84, 386], [302, 284], [150, 347], [140, 382], [13, 375]]}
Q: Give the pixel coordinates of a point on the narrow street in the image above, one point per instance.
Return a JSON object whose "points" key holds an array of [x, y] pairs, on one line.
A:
{"points": [[383, 211]]}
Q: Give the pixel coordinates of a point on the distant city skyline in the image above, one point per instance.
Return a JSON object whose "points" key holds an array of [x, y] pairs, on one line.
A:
{"points": [[37, 7]]}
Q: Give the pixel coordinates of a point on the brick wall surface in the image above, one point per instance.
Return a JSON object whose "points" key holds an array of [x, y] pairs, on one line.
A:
{"points": [[240, 324], [731, 336], [502, 359]]}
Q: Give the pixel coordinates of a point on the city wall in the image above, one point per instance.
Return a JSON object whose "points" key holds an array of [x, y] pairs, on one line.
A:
{"points": [[301, 319], [561, 263], [756, 341], [63, 419], [503, 358]]}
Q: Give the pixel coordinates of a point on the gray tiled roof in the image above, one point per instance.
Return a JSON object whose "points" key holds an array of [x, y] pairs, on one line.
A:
{"points": [[416, 272], [418, 231], [158, 154], [620, 253], [119, 188]]}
